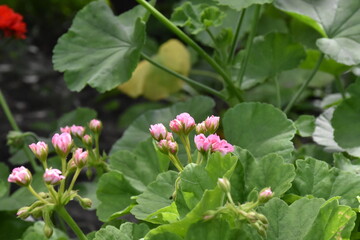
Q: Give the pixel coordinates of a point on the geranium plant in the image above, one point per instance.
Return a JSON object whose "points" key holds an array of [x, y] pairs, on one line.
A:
{"points": [[278, 160]]}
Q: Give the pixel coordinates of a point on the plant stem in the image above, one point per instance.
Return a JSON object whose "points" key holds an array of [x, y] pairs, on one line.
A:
{"points": [[76, 175], [278, 93], [193, 44], [235, 40], [205, 73], [185, 140], [304, 85], [249, 43], [70, 221], [176, 162], [340, 87], [14, 126], [185, 79], [33, 192]]}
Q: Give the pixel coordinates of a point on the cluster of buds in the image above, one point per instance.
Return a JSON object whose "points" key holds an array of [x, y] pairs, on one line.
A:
{"points": [[210, 125], [64, 145], [212, 143], [242, 212]]}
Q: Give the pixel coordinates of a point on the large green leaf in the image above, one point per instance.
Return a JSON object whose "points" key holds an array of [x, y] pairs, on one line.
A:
{"points": [[4, 184], [198, 107], [110, 233], [134, 231], [114, 193], [239, 5], [98, 49], [305, 125], [308, 219], [271, 54], [12, 227], [259, 128], [141, 166], [154, 204], [314, 177], [337, 20], [255, 174], [36, 232], [80, 116]]}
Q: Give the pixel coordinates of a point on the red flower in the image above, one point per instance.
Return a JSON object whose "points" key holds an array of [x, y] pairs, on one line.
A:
{"points": [[11, 23]]}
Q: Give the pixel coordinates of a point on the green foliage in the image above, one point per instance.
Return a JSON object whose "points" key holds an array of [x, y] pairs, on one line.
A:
{"points": [[252, 131], [36, 232], [305, 125], [98, 49], [239, 5]]}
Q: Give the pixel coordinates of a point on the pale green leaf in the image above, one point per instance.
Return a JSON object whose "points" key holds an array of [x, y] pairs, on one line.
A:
{"points": [[239, 5]]}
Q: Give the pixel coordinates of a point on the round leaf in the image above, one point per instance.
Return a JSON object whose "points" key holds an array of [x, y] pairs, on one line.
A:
{"points": [[239, 5]]}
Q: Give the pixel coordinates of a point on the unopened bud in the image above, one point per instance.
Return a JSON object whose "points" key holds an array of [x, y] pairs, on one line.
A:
{"points": [[95, 126], [158, 131], [23, 213], [224, 184], [48, 230], [80, 158], [21, 176], [201, 128], [167, 146], [212, 124], [87, 141], [85, 202], [209, 215], [265, 195], [40, 150]]}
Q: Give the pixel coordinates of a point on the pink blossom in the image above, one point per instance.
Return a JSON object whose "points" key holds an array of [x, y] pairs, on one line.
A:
{"points": [[80, 157], [201, 128], [183, 124], [223, 147], [21, 176], [175, 126], [53, 176], [87, 140], [212, 123], [62, 143], [95, 125], [167, 146], [65, 129], [265, 195], [77, 130], [40, 150], [158, 131], [202, 143]]}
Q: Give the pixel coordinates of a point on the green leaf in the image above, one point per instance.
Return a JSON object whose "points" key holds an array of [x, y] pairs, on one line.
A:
{"points": [[157, 197], [305, 125], [80, 116], [271, 54], [314, 177], [134, 231], [36, 232], [259, 128], [88, 190], [343, 163], [212, 230], [337, 20], [239, 5], [141, 166], [198, 107], [165, 236], [98, 49], [114, 193], [255, 174], [195, 179], [308, 219], [12, 227], [4, 184], [210, 201], [345, 123], [198, 17], [111, 233]]}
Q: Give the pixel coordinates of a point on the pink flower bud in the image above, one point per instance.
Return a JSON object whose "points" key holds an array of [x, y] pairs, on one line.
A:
{"points": [[40, 150], [77, 130], [223, 147], [95, 125], [62, 143], [65, 129], [183, 124], [201, 128], [21, 176], [87, 141], [167, 146], [212, 123], [202, 143], [265, 195], [52, 176], [158, 131], [80, 158]]}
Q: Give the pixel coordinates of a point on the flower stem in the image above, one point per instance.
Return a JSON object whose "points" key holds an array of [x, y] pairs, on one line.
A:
{"points": [[278, 93], [33, 192], [340, 87], [185, 79], [175, 160], [70, 221], [185, 140], [205, 73], [235, 40], [249, 43], [193, 44], [76, 175], [304, 85]]}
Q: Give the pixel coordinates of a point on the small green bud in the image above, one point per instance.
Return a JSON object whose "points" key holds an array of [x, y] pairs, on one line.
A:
{"points": [[224, 184], [265, 195], [85, 202], [48, 230]]}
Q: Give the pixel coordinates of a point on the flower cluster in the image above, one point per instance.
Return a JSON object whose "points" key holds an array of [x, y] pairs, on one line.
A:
{"points": [[11, 23], [63, 144], [182, 125]]}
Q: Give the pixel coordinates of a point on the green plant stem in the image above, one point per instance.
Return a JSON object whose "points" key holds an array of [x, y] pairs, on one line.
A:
{"points": [[249, 43], [14, 126], [236, 37], [185, 140], [70, 221], [278, 92], [199, 157], [185, 79], [304, 85], [62, 183], [176, 162], [205, 73], [193, 44], [33, 192], [97, 148], [340, 87], [52, 191], [76, 175]]}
